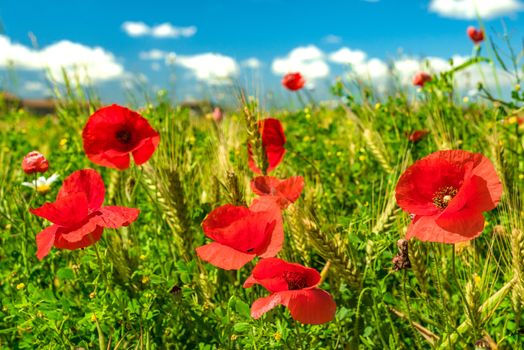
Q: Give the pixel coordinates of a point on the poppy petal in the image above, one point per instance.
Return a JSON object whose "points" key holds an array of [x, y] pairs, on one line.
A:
{"points": [[285, 191], [273, 141], [272, 208], [419, 183], [113, 132], [142, 153], [110, 159], [273, 274], [68, 211], [222, 217], [45, 240], [89, 239], [312, 306], [78, 233], [115, 217], [468, 222], [223, 256], [425, 228], [263, 305], [87, 181]]}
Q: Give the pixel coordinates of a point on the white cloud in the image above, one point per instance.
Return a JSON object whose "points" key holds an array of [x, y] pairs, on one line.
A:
{"points": [[253, 63], [152, 55], [332, 39], [348, 56], [308, 60], [374, 69], [136, 29], [87, 63], [212, 68], [155, 66], [164, 30], [469, 9]]}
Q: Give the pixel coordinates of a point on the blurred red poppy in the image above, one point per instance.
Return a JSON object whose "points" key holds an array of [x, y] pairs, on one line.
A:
{"points": [[284, 192], [113, 132], [446, 194], [417, 135], [78, 216], [240, 234], [293, 81], [34, 162], [293, 286], [273, 141], [476, 35], [421, 78]]}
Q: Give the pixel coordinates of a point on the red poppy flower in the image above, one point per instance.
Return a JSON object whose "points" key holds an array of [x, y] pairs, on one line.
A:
{"points": [[240, 234], [446, 194], [476, 35], [421, 78], [293, 286], [293, 81], [273, 141], [78, 216], [34, 162], [284, 192], [417, 135], [113, 132]]}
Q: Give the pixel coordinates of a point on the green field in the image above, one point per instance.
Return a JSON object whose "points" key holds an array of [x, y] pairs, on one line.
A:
{"points": [[144, 287]]}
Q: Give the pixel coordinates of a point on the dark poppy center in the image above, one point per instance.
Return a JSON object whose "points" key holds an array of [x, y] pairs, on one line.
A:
{"points": [[295, 280], [123, 135], [443, 196]]}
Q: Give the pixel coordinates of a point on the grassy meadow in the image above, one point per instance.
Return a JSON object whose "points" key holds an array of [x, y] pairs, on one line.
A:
{"points": [[143, 286]]}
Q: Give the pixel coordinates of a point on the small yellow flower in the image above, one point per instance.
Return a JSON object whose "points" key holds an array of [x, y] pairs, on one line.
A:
{"points": [[521, 176], [277, 336], [93, 318], [43, 188], [308, 116], [377, 106], [145, 279], [339, 154], [517, 87], [142, 257], [92, 295], [234, 337], [362, 158], [307, 138], [63, 142], [20, 286], [465, 99], [477, 280], [512, 120]]}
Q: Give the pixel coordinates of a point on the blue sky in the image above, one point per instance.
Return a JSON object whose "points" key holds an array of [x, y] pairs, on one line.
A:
{"points": [[210, 41]]}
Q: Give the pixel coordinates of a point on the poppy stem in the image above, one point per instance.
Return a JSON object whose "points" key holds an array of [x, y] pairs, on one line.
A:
{"points": [[100, 265], [462, 295]]}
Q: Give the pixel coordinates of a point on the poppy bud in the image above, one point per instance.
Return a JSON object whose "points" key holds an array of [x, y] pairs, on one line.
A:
{"points": [[35, 162], [217, 115], [293, 81], [476, 35], [421, 78], [417, 135]]}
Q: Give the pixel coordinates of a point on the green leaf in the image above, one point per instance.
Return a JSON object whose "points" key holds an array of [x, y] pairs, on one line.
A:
{"points": [[65, 273]]}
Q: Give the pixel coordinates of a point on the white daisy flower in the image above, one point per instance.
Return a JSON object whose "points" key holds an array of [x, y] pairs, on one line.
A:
{"points": [[42, 185]]}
